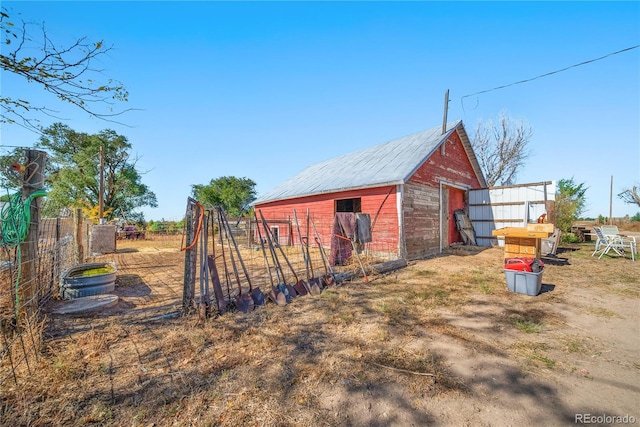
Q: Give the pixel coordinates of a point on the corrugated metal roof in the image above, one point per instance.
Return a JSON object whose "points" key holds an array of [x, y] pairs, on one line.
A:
{"points": [[390, 163]]}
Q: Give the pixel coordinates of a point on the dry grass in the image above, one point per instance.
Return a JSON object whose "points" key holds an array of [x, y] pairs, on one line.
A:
{"points": [[278, 366], [535, 353]]}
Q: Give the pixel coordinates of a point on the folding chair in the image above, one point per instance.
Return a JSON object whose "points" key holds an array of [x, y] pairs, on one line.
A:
{"points": [[617, 243], [612, 231]]}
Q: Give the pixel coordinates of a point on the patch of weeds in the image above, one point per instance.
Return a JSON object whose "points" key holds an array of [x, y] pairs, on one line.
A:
{"points": [[485, 288], [441, 294], [549, 363], [422, 372], [627, 292], [343, 318], [572, 345], [64, 370], [393, 309], [389, 306], [262, 315], [477, 277], [100, 413], [599, 311], [383, 306], [532, 351], [437, 295], [226, 375], [382, 335], [528, 326], [330, 295], [421, 295], [141, 415], [627, 278], [197, 341], [425, 273], [104, 369]]}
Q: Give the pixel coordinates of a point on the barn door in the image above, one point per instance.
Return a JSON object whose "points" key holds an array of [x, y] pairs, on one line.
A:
{"points": [[455, 198]]}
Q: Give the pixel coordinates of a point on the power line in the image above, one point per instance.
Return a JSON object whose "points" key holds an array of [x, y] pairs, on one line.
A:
{"points": [[552, 72]]}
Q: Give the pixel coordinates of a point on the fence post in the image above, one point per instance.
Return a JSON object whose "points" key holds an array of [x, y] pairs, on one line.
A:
{"points": [[33, 181], [190, 257], [79, 236]]}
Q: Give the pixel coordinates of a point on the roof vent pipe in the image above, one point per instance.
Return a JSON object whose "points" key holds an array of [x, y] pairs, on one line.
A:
{"points": [[446, 108]]}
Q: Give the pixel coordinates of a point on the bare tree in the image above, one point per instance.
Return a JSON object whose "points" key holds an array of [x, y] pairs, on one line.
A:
{"points": [[630, 195], [65, 71], [501, 148]]}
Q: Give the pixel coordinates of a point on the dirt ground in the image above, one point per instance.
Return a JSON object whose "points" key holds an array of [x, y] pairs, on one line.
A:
{"points": [[440, 342]]}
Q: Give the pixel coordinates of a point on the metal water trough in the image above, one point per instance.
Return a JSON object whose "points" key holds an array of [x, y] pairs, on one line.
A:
{"points": [[88, 279]]}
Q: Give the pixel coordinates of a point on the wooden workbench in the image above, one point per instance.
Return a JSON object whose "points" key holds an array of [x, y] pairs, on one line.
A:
{"points": [[524, 242]]}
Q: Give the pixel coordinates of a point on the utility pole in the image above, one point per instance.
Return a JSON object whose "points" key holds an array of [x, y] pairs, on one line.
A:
{"points": [[611, 202], [446, 110], [101, 188]]}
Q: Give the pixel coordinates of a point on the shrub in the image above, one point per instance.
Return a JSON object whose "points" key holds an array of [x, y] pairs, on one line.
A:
{"points": [[569, 238]]}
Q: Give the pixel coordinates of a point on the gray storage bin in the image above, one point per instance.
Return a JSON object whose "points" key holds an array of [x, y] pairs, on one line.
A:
{"points": [[523, 282]]}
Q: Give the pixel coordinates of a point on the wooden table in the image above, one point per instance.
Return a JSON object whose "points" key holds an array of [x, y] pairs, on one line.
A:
{"points": [[524, 242]]}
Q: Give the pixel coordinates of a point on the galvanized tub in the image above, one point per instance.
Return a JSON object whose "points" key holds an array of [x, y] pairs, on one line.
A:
{"points": [[88, 279]]}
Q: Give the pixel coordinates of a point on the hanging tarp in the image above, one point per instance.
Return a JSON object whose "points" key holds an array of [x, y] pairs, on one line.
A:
{"points": [[344, 230], [363, 228]]}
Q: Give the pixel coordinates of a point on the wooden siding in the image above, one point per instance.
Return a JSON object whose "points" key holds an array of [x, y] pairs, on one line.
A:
{"points": [[421, 207], [454, 166], [421, 220], [322, 210]]}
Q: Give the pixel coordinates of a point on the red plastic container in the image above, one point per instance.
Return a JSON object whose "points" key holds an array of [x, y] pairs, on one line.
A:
{"points": [[524, 264]]}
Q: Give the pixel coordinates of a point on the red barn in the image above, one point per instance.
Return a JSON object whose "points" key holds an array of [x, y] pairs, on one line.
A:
{"points": [[409, 186]]}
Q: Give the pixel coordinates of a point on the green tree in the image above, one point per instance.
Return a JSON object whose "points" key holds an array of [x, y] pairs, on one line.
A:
{"points": [[73, 176], [163, 226], [570, 203], [501, 148], [232, 193], [66, 71]]}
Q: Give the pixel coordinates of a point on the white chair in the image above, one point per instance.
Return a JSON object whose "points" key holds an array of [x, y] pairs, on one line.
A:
{"points": [[615, 242], [612, 231]]}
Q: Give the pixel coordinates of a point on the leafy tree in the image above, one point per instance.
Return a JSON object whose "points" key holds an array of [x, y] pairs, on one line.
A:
{"points": [[232, 193], [66, 71], [501, 148], [630, 195], [93, 212], [163, 226], [74, 171], [570, 203]]}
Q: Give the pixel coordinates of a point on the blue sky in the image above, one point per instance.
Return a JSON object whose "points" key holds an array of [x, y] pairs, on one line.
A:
{"points": [[263, 89]]}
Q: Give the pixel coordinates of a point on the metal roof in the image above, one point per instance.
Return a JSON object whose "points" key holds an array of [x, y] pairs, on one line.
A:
{"points": [[390, 163]]}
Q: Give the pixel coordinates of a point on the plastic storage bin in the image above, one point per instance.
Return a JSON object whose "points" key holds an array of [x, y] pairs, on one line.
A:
{"points": [[523, 282]]}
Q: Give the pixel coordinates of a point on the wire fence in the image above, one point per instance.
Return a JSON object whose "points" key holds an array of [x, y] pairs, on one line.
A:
{"points": [[283, 250], [29, 274], [301, 249]]}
